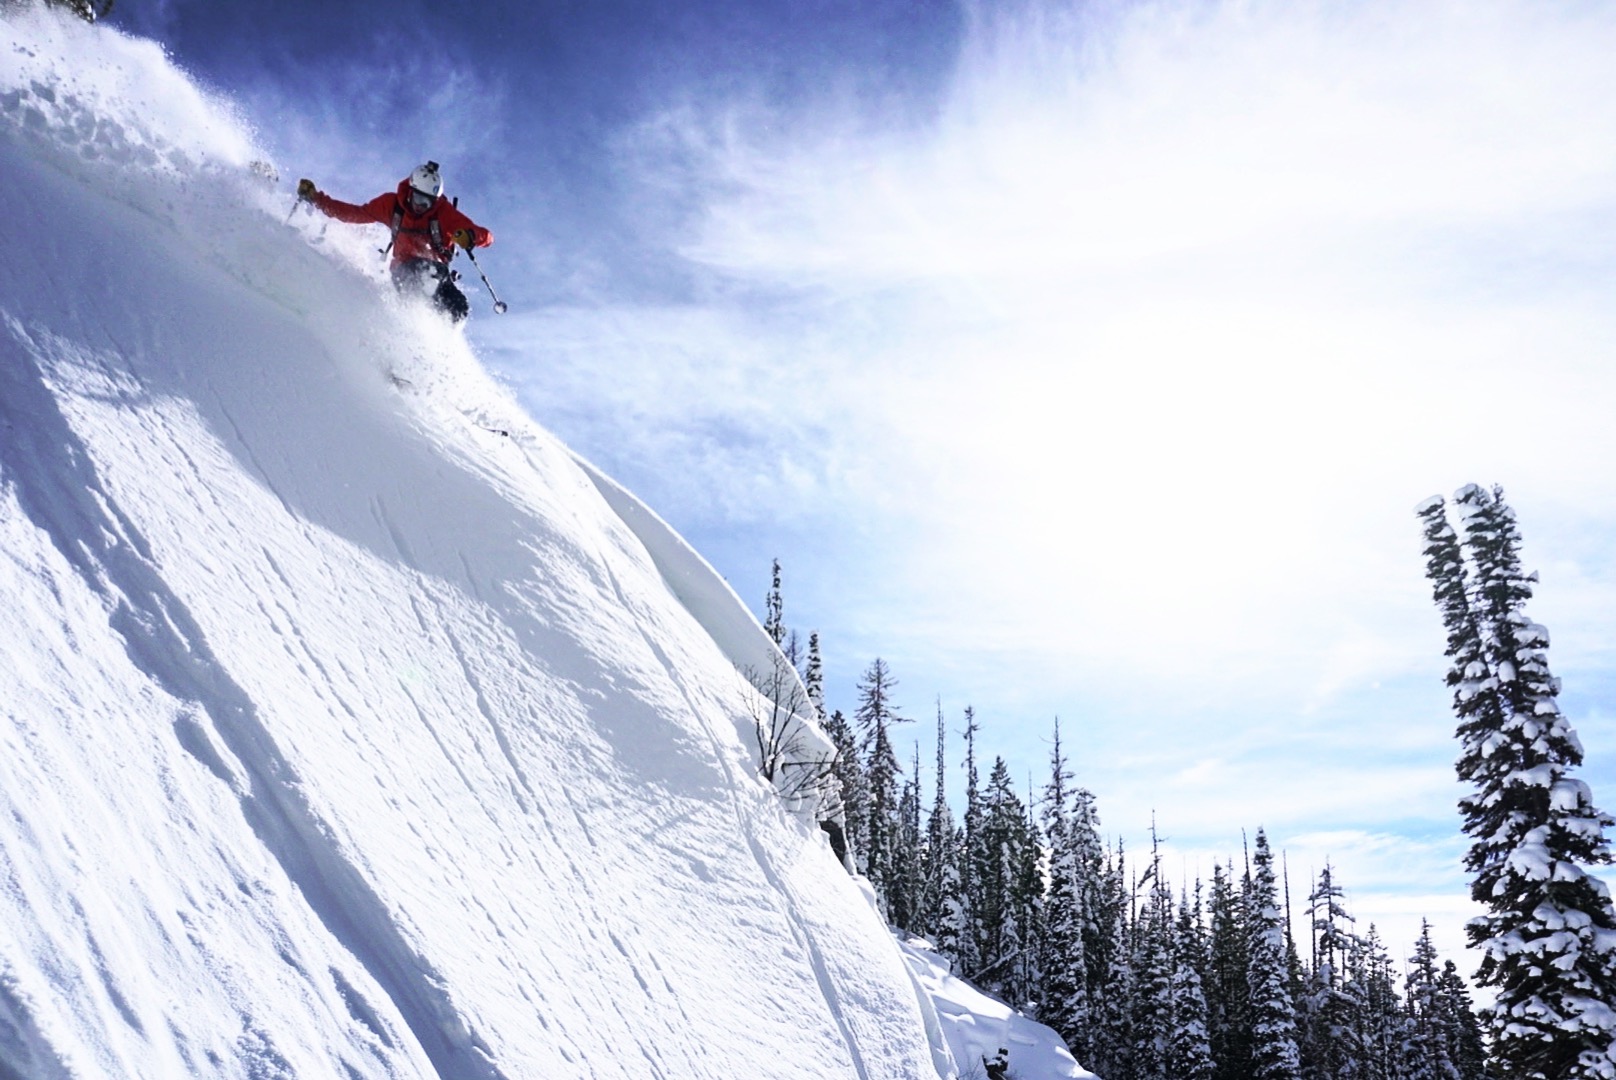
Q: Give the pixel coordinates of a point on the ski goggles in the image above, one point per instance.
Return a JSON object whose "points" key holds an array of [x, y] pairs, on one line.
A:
{"points": [[420, 202]]}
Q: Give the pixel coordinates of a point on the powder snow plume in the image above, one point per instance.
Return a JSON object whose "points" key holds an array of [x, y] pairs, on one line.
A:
{"points": [[352, 726]]}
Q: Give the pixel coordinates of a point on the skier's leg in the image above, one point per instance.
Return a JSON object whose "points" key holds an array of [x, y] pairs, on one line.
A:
{"points": [[451, 300]]}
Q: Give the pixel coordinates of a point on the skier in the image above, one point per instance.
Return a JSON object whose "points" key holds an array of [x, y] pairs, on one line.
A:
{"points": [[426, 227]]}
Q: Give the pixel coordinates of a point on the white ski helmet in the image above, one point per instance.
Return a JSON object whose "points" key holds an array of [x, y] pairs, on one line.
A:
{"points": [[426, 180]]}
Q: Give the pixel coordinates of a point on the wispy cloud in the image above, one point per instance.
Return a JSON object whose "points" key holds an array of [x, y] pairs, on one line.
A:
{"points": [[1175, 310]]}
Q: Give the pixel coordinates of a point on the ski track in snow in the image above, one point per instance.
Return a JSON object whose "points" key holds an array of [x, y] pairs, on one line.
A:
{"points": [[59, 489], [764, 862]]}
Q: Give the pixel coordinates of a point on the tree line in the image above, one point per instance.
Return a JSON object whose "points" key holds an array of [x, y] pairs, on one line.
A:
{"points": [[1144, 981], [1029, 903]]}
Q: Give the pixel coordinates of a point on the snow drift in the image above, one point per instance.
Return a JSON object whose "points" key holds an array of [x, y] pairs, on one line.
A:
{"points": [[353, 728]]}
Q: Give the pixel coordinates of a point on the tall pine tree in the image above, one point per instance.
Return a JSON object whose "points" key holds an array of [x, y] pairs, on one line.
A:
{"points": [[1273, 1012], [876, 715], [1089, 858], [1064, 1000], [938, 869], [854, 787], [1428, 1051], [903, 892], [1378, 1025], [1008, 885], [967, 907], [1189, 1049], [774, 608], [1468, 1051], [813, 678], [1330, 1002], [1228, 992], [1113, 1039], [1027, 908], [1153, 969], [1547, 937]]}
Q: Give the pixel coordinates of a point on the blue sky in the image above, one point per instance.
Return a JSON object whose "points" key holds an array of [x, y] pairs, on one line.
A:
{"points": [[1079, 359]]}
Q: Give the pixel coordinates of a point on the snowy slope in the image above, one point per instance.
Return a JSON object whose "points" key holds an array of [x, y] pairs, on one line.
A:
{"points": [[977, 1028], [343, 736]]}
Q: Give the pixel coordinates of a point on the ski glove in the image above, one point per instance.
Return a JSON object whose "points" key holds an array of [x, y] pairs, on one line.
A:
{"points": [[465, 238], [306, 189]]}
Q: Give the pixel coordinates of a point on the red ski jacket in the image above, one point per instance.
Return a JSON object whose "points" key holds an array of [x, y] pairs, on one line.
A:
{"points": [[424, 236]]}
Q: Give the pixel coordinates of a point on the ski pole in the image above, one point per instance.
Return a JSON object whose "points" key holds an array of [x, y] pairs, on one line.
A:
{"points": [[499, 305], [305, 204]]}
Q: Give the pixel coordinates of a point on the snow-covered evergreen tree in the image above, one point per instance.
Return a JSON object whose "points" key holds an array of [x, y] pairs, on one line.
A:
{"points": [[938, 872], [991, 873], [1007, 915], [1089, 857], [903, 893], [1153, 970], [813, 678], [849, 771], [1427, 1037], [1468, 1051], [1001, 829], [1549, 935], [967, 907], [774, 608], [876, 715], [1113, 1036], [1027, 908], [1064, 998], [1378, 1026], [950, 915], [1273, 1011], [1227, 989], [1189, 1049], [1328, 1009]]}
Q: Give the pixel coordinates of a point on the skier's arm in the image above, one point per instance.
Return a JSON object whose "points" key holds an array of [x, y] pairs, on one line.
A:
{"points": [[377, 211]]}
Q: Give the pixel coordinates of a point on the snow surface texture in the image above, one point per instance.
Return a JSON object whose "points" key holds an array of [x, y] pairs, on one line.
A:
{"points": [[352, 728], [975, 1027]]}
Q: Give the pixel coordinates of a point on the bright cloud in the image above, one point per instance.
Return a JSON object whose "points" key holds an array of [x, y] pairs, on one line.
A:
{"points": [[1176, 310]]}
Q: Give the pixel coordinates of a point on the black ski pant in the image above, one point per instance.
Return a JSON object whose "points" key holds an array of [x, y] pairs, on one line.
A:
{"points": [[417, 275]]}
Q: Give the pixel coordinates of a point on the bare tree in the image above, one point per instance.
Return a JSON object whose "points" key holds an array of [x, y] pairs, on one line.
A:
{"points": [[793, 754]]}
